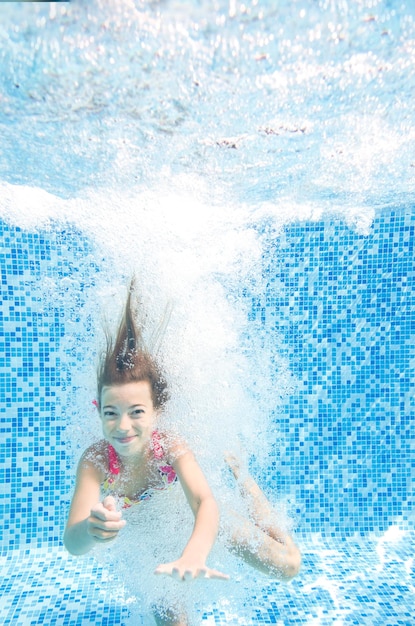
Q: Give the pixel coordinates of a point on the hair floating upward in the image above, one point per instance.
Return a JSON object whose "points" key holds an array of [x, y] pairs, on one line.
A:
{"points": [[127, 359]]}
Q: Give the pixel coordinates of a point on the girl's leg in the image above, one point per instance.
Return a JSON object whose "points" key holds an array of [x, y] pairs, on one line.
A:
{"points": [[261, 542]]}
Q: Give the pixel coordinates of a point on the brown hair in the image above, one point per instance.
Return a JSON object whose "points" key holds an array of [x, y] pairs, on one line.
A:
{"points": [[127, 360]]}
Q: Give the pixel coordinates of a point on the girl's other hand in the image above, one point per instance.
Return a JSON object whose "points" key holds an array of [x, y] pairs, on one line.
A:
{"points": [[182, 570], [105, 521]]}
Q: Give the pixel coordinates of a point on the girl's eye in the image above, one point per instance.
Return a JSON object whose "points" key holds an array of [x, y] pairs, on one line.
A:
{"points": [[109, 415], [137, 412]]}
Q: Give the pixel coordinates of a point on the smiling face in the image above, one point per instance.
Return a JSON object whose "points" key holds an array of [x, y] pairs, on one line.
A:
{"points": [[128, 417]]}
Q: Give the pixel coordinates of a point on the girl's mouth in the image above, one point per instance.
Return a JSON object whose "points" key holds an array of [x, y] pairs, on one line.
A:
{"points": [[125, 440]]}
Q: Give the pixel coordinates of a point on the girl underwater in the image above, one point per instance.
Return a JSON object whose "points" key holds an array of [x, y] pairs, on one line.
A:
{"points": [[138, 462]]}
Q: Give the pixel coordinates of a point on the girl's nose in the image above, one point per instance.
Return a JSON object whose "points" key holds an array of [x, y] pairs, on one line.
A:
{"points": [[124, 421]]}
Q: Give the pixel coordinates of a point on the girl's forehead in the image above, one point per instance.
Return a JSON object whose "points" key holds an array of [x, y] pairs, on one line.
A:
{"points": [[134, 392]]}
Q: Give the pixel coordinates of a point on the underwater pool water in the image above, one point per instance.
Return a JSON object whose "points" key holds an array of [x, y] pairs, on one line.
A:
{"points": [[253, 163]]}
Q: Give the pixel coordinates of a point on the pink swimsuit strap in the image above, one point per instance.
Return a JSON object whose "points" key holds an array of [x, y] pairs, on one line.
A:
{"points": [[114, 466]]}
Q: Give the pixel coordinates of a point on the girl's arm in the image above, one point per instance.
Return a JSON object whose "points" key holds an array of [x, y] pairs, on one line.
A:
{"points": [[90, 521], [192, 563]]}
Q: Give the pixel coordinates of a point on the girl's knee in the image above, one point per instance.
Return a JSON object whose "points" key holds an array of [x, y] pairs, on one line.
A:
{"points": [[288, 567]]}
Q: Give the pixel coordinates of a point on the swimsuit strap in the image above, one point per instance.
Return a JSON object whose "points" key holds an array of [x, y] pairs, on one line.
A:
{"points": [[113, 462], [114, 466], [166, 471], [156, 445]]}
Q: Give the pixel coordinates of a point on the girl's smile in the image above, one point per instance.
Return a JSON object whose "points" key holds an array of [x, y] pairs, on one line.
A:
{"points": [[125, 440]]}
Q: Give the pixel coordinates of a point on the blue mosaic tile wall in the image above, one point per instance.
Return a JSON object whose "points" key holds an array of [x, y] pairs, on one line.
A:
{"points": [[34, 380], [340, 307], [344, 305]]}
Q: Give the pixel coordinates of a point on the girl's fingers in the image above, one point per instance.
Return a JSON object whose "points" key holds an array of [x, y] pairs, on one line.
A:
{"points": [[166, 569], [176, 573], [213, 573], [110, 526], [104, 531], [169, 569], [103, 539], [105, 514], [109, 503]]}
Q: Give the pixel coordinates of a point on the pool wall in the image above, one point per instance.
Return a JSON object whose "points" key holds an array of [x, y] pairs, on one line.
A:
{"points": [[338, 305], [38, 359], [343, 304]]}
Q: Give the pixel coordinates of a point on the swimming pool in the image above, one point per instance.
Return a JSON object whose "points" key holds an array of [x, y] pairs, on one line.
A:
{"points": [[270, 151]]}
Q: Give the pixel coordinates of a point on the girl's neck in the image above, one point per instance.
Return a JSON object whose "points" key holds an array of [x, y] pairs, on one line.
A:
{"points": [[134, 462]]}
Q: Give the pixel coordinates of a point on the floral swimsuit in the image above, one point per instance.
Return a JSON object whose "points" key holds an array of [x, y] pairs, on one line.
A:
{"points": [[167, 473]]}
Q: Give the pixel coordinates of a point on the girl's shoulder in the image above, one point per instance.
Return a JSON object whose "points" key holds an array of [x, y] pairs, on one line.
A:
{"points": [[95, 458], [169, 446]]}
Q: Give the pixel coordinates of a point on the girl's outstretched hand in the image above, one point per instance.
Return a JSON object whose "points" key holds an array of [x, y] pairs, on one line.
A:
{"points": [[180, 570], [105, 521]]}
